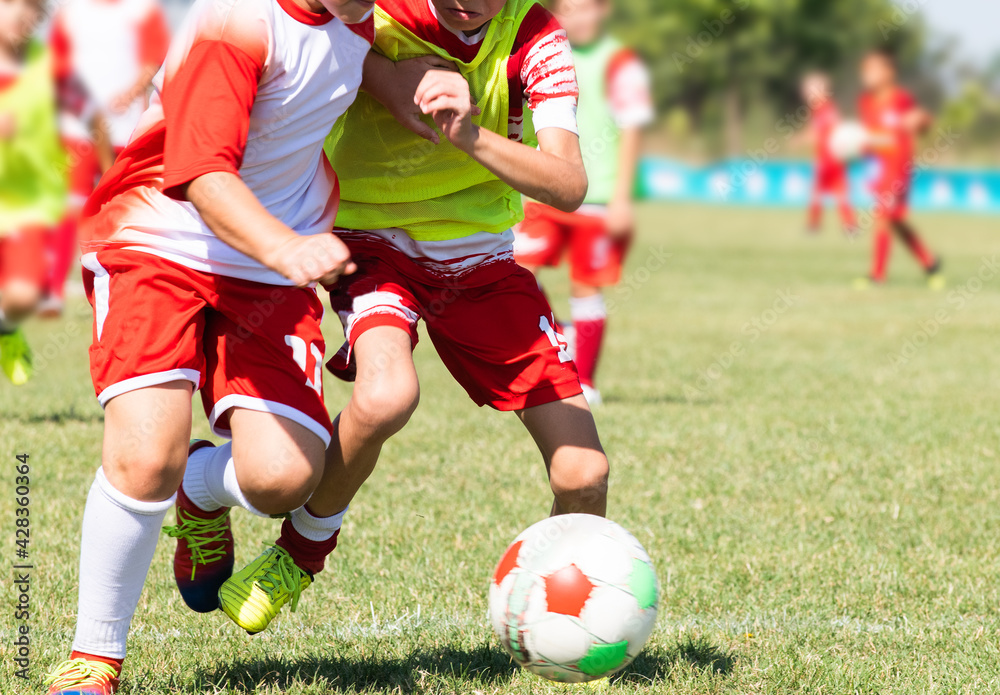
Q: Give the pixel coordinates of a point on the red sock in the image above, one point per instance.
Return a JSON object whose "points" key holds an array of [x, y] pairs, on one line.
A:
{"points": [[880, 254], [589, 340], [815, 214], [847, 215], [116, 664], [916, 245], [308, 555]]}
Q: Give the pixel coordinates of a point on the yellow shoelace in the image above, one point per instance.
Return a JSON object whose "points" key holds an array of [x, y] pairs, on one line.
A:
{"points": [[200, 533], [81, 672], [281, 576]]}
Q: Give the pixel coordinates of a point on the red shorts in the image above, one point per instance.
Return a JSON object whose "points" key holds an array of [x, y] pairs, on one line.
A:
{"points": [[23, 257], [831, 178], [892, 199], [497, 339], [244, 344], [546, 235]]}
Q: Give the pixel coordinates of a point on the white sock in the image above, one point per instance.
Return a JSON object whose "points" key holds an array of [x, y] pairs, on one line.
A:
{"points": [[210, 481], [315, 529], [588, 308], [119, 538]]}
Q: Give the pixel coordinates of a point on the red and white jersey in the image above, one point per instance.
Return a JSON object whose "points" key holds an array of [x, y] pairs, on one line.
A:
{"points": [[108, 45], [540, 72], [250, 87]]}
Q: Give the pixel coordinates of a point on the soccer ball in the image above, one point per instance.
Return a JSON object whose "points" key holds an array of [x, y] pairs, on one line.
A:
{"points": [[849, 141], [574, 598]]}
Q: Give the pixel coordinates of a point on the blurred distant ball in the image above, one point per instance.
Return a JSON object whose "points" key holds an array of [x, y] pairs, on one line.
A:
{"points": [[850, 140], [574, 599]]}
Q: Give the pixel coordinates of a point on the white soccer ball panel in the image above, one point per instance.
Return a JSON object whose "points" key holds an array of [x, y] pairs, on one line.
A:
{"points": [[558, 673], [609, 613], [559, 639], [640, 629], [607, 561]]}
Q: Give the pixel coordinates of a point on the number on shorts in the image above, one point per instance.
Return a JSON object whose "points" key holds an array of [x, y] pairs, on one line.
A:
{"points": [[556, 339], [300, 353]]}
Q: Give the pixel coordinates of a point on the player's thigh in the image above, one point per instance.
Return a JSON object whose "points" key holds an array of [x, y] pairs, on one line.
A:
{"points": [[146, 434], [500, 342]]}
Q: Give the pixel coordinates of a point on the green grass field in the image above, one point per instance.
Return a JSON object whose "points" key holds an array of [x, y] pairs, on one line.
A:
{"points": [[812, 469]]}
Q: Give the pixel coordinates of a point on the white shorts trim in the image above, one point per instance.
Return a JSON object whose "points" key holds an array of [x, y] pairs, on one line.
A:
{"points": [[260, 405], [102, 291], [147, 381]]}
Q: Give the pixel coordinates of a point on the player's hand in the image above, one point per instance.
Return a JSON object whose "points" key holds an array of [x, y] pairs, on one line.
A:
{"points": [[400, 101], [446, 97], [308, 260], [621, 219], [8, 126]]}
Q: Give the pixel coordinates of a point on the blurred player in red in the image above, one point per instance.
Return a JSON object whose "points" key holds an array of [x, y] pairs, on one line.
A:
{"points": [[113, 49], [615, 104], [32, 166], [894, 120], [831, 173]]}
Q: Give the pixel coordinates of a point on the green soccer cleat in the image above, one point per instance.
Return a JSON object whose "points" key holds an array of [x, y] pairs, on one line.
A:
{"points": [[15, 357], [253, 596]]}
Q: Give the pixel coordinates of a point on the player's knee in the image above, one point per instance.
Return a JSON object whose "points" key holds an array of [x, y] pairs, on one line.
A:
{"points": [[152, 473], [384, 408], [282, 481], [20, 299], [583, 485]]}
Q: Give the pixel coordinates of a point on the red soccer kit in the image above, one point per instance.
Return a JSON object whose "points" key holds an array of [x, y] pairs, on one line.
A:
{"points": [[251, 88], [884, 119], [831, 173]]}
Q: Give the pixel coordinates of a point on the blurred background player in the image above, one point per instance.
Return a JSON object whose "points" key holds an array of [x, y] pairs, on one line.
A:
{"points": [[32, 184], [831, 173], [615, 104], [113, 49], [894, 120]]}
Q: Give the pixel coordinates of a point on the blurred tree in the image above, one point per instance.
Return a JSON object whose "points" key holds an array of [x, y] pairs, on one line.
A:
{"points": [[716, 57]]}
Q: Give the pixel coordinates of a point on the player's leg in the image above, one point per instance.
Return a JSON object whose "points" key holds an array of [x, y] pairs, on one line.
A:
{"points": [[499, 343], [145, 362], [567, 437], [930, 263], [145, 445], [590, 316], [814, 221], [272, 468], [22, 275], [597, 261], [386, 394], [842, 193]]}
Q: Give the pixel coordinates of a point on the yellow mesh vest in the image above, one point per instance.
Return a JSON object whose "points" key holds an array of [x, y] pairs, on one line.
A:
{"points": [[32, 164], [392, 178]]}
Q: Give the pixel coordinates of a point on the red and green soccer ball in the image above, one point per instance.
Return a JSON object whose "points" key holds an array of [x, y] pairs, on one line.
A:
{"points": [[574, 599]]}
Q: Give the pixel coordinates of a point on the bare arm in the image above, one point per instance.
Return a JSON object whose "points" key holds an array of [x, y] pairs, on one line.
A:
{"points": [[233, 213], [553, 174], [621, 212]]}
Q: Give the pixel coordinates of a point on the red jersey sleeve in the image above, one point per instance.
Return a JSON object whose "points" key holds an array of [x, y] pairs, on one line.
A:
{"points": [[154, 38], [62, 49], [207, 105]]}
